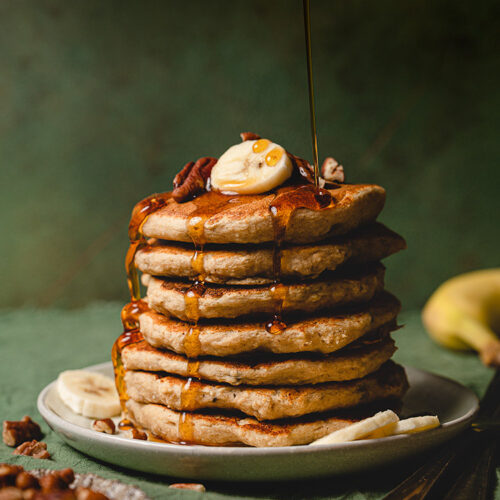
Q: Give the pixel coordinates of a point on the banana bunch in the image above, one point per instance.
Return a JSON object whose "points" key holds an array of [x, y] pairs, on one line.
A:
{"points": [[464, 313]]}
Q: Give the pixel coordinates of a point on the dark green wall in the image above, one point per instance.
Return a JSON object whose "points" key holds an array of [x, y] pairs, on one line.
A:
{"points": [[101, 103]]}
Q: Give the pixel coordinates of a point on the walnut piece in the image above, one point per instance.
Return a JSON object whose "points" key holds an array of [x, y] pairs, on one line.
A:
{"points": [[17, 432], [105, 425], [249, 136], [36, 449], [331, 171], [188, 486]]}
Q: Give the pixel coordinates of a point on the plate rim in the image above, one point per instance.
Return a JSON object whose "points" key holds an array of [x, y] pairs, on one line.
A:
{"points": [[52, 418]]}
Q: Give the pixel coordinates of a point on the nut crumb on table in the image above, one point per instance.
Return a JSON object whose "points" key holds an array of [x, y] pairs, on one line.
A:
{"points": [[35, 449], [17, 432]]}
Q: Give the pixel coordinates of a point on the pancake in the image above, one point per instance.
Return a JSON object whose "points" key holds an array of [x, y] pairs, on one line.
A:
{"points": [[325, 333], [247, 219], [250, 265], [350, 363], [266, 403], [168, 297], [215, 429]]}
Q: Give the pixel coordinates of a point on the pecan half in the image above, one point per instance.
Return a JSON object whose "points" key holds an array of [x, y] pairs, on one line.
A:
{"points": [[249, 136], [25, 481], [331, 171], [192, 179], [302, 167], [36, 449], [104, 425], [17, 432]]}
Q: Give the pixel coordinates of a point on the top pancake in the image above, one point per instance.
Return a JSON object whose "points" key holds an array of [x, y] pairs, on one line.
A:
{"points": [[247, 218]]}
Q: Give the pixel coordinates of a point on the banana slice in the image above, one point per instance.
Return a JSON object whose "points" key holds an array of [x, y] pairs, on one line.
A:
{"points": [[361, 429], [407, 426], [89, 394], [252, 167]]}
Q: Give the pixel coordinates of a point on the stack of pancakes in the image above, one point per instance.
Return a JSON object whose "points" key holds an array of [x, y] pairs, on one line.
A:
{"points": [[210, 371]]}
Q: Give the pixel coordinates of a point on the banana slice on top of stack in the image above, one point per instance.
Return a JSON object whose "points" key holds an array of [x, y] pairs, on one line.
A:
{"points": [[251, 167]]}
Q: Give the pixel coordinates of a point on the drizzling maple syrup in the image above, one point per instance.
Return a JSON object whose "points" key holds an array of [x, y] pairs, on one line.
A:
{"points": [[284, 205], [206, 205], [310, 82], [131, 312], [140, 213], [282, 208]]}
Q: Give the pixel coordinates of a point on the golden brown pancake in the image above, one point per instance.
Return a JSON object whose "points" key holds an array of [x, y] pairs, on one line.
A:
{"points": [[266, 403], [169, 297], [253, 265], [353, 362], [320, 333], [217, 429], [247, 219]]}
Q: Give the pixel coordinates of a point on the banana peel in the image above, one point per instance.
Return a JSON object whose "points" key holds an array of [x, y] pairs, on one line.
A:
{"points": [[464, 313]]}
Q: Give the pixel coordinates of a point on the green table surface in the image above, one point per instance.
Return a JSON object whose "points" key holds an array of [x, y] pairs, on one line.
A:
{"points": [[38, 344]]}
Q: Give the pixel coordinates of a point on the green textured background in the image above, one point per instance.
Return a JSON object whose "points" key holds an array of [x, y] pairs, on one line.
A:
{"points": [[101, 102]]}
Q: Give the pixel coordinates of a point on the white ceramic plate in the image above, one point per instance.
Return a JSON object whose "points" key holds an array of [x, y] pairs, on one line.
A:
{"points": [[454, 404]]}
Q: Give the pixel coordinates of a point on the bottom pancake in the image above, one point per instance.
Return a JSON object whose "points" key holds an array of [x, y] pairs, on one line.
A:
{"points": [[222, 430], [267, 402]]}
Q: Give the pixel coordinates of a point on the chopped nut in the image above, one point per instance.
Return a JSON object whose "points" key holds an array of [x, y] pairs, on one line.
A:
{"points": [[104, 425], [302, 167], [36, 449], [17, 432], [11, 493], [87, 494], [25, 480], [138, 434], [249, 136], [331, 171], [8, 474], [29, 494], [52, 482], [55, 495], [192, 179], [67, 475], [188, 486]]}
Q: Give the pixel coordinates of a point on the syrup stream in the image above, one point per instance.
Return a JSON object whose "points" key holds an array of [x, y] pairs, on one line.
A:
{"points": [[307, 28]]}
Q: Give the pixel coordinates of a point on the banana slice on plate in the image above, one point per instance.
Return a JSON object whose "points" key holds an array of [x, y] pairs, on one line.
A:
{"points": [[252, 167], [89, 394], [360, 429], [407, 426]]}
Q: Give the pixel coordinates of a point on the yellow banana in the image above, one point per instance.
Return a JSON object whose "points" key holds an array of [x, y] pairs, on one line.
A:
{"points": [[464, 313]]}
